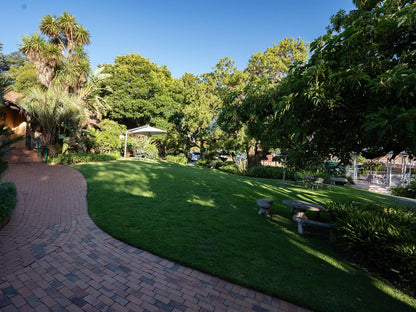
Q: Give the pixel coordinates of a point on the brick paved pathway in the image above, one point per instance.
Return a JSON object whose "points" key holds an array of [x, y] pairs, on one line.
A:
{"points": [[54, 258]]}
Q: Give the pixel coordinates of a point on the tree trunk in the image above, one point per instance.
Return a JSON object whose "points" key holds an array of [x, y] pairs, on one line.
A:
{"points": [[254, 154], [28, 132]]}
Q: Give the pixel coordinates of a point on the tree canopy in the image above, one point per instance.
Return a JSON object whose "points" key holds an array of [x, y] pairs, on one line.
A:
{"points": [[357, 91], [143, 93], [8, 60], [242, 114], [61, 60]]}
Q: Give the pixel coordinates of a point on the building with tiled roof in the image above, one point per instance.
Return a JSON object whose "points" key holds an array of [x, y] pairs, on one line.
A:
{"points": [[14, 116]]}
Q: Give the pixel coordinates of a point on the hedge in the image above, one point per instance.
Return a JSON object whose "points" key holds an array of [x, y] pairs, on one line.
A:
{"points": [[8, 199], [179, 159], [73, 158], [408, 191]]}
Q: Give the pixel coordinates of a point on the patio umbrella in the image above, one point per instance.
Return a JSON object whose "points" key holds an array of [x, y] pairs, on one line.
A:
{"points": [[144, 130]]}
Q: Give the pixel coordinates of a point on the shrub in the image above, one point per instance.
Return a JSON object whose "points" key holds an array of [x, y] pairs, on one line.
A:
{"points": [[5, 143], [381, 236], [179, 159], [8, 200], [142, 143], [224, 163], [73, 158], [108, 139], [269, 173], [408, 191], [230, 168], [203, 162]]}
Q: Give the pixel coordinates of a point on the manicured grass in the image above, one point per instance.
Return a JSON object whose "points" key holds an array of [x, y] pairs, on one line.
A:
{"points": [[208, 220]]}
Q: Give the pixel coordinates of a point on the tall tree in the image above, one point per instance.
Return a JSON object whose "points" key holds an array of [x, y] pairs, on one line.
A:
{"points": [[23, 77], [200, 110], [5, 81], [91, 94], [13, 59], [61, 60], [143, 93], [274, 63], [243, 115], [357, 91], [54, 113], [231, 88]]}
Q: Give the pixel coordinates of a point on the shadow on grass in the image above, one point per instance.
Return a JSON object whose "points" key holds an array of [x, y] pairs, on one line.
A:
{"points": [[208, 220]]}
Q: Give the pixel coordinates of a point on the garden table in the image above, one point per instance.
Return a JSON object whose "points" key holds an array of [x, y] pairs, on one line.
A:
{"points": [[300, 218], [301, 206]]}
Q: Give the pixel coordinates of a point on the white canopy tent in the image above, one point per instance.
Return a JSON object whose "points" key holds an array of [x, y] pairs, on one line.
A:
{"points": [[143, 130]]}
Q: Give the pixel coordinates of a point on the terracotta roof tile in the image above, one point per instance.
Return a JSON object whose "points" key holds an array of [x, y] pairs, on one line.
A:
{"points": [[12, 97]]}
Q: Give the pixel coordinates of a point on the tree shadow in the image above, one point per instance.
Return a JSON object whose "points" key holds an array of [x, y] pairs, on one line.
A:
{"points": [[208, 220]]}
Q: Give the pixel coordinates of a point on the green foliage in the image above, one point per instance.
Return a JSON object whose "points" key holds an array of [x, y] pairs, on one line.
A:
{"points": [[5, 83], [373, 166], [356, 92], [203, 162], [244, 117], [200, 110], [274, 63], [225, 166], [108, 138], [74, 158], [408, 191], [54, 113], [14, 59], [229, 168], [143, 93], [91, 93], [381, 235], [142, 143], [8, 195], [179, 159], [5, 143], [268, 173], [60, 60], [24, 77]]}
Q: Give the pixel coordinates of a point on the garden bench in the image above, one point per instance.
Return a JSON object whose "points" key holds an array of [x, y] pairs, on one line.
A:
{"points": [[265, 204], [301, 219], [335, 180]]}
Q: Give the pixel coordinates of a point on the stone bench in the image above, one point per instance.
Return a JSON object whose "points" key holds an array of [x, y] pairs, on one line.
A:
{"points": [[265, 204], [302, 220]]}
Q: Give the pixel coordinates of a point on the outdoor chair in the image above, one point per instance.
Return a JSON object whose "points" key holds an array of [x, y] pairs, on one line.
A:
{"points": [[297, 181], [139, 154], [318, 183]]}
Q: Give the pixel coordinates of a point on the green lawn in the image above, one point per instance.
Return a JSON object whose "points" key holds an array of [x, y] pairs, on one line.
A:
{"points": [[208, 220]]}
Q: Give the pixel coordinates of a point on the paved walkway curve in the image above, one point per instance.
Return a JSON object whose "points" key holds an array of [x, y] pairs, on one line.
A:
{"points": [[54, 258]]}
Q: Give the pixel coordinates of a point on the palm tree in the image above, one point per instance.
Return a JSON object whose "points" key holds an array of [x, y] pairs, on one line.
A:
{"points": [[5, 83], [91, 93], [54, 113], [60, 61]]}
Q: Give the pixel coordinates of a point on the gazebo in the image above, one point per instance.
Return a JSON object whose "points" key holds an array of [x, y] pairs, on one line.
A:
{"points": [[143, 130]]}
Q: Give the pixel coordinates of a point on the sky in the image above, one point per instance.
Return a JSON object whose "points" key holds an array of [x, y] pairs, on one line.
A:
{"points": [[185, 35]]}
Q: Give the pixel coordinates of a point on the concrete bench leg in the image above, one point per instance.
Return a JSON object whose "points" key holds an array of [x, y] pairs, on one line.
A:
{"points": [[332, 236], [264, 211], [300, 228]]}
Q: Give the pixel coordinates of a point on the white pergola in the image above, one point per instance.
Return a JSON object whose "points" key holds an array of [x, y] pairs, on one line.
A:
{"points": [[143, 130]]}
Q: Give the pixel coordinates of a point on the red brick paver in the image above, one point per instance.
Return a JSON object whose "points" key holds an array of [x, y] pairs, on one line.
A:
{"points": [[54, 258]]}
